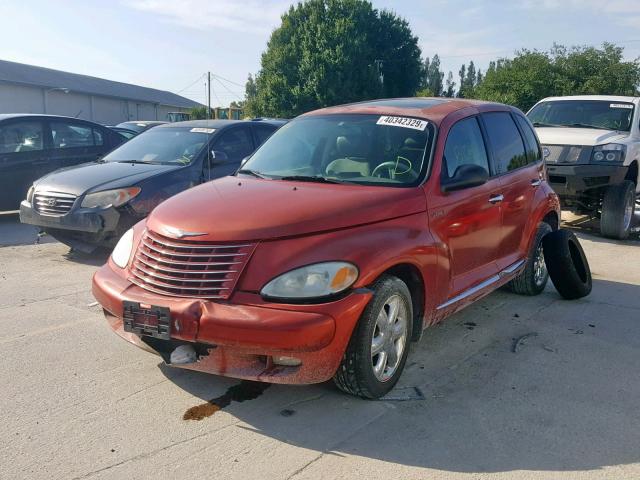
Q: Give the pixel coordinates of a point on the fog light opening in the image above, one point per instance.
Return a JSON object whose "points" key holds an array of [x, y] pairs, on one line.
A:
{"points": [[287, 361]]}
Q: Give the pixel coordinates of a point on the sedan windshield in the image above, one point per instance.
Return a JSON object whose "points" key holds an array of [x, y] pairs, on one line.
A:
{"points": [[164, 146], [363, 149], [601, 114]]}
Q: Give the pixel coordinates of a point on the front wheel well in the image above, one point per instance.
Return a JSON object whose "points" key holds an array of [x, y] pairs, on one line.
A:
{"points": [[632, 172], [552, 219], [412, 277]]}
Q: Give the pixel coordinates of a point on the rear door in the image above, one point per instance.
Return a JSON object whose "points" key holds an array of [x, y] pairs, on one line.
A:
{"points": [[75, 142], [516, 160], [23, 159], [235, 143], [262, 131]]}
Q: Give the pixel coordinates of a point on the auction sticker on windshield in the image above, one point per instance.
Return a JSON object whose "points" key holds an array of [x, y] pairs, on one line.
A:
{"points": [[203, 130], [620, 105], [405, 122]]}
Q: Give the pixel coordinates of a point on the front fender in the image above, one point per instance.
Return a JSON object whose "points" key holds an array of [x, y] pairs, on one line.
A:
{"points": [[373, 248]]}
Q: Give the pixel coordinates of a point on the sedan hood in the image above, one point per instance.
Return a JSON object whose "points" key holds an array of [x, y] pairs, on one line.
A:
{"points": [[577, 136], [87, 177], [232, 209]]}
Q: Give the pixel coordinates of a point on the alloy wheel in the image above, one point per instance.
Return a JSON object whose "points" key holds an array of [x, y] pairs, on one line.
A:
{"points": [[389, 338]]}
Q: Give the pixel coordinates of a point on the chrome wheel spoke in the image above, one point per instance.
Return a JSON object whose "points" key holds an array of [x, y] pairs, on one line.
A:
{"points": [[389, 338], [377, 345], [392, 355], [399, 329], [380, 365], [394, 306]]}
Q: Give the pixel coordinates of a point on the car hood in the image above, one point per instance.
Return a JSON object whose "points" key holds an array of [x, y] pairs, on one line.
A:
{"points": [[577, 136], [87, 177], [232, 208]]}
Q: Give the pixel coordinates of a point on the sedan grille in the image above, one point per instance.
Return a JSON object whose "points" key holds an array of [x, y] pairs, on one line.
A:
{"points": [[187, 268], [52, 203]]}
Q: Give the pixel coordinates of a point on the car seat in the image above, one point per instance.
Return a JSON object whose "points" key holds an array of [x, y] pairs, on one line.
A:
{"points": [[353, 160]]}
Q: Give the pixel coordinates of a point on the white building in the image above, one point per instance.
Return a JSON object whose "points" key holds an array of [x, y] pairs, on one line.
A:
{"points": [[31, 89]]}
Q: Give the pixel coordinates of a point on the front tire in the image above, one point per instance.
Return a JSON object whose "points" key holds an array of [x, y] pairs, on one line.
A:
{"points": [[379, 345], [618, 207], [534, 277]]}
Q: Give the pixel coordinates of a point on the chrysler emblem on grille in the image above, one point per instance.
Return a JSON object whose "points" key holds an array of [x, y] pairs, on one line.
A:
{"points": [[52, 202], [178, 233]]}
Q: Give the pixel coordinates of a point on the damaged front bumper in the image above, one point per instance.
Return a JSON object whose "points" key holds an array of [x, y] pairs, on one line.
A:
{"points": [[246, 338]]}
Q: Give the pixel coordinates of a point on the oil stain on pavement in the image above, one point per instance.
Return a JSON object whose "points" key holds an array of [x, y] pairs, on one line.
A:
{"points": [[245, 390]]}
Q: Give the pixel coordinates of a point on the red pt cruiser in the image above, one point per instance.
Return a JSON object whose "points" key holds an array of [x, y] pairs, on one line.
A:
{"points": [[343, 237]]}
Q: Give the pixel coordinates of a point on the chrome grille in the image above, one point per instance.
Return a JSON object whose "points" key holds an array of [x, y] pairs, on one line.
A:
{"points": [[188, 268], [53, 203], [567, 153]]}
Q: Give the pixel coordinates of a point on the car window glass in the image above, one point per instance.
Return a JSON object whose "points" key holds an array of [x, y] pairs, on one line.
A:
{"points": [[71, 135], [533, 148], [98, 138], [236, 143], [263, 132], [508, 146], [21, 137], [464, 146]]}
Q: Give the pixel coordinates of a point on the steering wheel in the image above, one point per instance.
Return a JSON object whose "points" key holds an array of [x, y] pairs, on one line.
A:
{"points": [[390, 168]]}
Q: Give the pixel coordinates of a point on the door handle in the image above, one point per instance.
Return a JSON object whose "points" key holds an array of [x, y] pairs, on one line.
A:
{"points": [[536, 182], [496, 199]]}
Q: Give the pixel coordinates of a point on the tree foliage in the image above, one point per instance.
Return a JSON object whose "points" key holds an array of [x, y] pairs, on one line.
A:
{"points": [[532, 75], [328, 52]]}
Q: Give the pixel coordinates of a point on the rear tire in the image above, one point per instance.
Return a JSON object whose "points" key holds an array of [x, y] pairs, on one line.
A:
{"points": [[379, 345], [534, 277], [618, 207], [567, 264]]}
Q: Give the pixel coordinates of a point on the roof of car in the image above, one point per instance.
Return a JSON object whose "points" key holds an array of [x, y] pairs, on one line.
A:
{"points": [[217, 124], [607, 98], [143, 122], [6, 116], [434, 109]]}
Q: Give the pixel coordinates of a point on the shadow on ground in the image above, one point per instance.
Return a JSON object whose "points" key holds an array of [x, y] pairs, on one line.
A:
{"points": [[565, 400]]}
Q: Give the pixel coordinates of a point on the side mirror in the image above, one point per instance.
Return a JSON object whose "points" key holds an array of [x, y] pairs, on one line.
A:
{"points": [[466, 176], [244, 160], [218, 156]]}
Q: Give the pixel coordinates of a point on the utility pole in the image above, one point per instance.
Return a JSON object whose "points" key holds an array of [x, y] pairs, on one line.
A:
{"points": [[208, 95]]}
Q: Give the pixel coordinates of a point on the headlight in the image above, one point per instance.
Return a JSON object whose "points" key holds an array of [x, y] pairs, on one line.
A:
{"points": [[30, 194], [116, 197], [610, 153], [312, 281], [122, 252]]}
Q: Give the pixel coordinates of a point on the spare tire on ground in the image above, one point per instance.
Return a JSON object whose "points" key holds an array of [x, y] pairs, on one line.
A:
{"points": [[567, 264]]}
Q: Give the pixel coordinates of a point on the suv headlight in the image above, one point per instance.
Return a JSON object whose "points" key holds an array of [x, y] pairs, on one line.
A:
{"points": [[610, 153], [313, 281], [122, 252], [105, 198]]}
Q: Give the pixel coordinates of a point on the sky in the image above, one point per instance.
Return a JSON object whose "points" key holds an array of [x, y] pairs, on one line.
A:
{"points": [[171, 44]]}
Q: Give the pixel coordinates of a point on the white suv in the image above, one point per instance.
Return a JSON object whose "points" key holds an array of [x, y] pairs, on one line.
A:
{"points": [[591, 146]]}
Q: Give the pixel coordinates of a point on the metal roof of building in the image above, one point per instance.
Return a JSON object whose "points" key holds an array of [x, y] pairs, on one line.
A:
{"points": [[46, 77]]}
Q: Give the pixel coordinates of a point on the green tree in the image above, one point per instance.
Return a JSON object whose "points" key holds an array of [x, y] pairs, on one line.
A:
{"points": [[432, 78], [328, 52], [463, 77], [250, 93], [532, 75], [198, 113], [450, 86]]}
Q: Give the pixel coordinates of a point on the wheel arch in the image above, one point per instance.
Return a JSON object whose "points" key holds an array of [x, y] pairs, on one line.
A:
{"points": [[632, 172], [552, 219], [412, 277]]}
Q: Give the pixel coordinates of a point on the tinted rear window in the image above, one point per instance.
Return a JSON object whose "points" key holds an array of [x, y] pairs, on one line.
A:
{"points": [[508, 147]]}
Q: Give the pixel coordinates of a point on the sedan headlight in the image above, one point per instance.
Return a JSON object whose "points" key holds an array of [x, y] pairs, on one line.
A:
{"points": [[313, 281], [30, 194], [610, 153], [122, 252], [116, 197]]}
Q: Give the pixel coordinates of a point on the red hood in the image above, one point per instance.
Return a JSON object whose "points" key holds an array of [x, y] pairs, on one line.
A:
{"points": [[231, 209]]}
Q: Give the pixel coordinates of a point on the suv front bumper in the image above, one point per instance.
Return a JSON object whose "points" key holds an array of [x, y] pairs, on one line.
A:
{"points": [[243, 336], [570, 181]]}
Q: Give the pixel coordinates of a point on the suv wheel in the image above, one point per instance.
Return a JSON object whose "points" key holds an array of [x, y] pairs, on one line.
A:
{"points": [[379, 345], [617, 210], [534, 277]]}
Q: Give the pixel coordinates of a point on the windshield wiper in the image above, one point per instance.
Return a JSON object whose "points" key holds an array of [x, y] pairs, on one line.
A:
{"points": [[133, 161], [540, 124], [253, 173], [310, 178], [586, 125]]}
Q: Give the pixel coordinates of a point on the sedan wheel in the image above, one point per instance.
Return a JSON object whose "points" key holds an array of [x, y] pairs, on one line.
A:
{"points": [[389, 338]]}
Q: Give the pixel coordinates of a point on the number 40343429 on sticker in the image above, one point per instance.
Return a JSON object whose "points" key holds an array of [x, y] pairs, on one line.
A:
{"points": [[405, 122]]}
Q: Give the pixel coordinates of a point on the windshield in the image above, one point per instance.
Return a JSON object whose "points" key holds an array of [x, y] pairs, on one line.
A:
{"points": [[603, 114], [362, 149], [162, 146]]}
